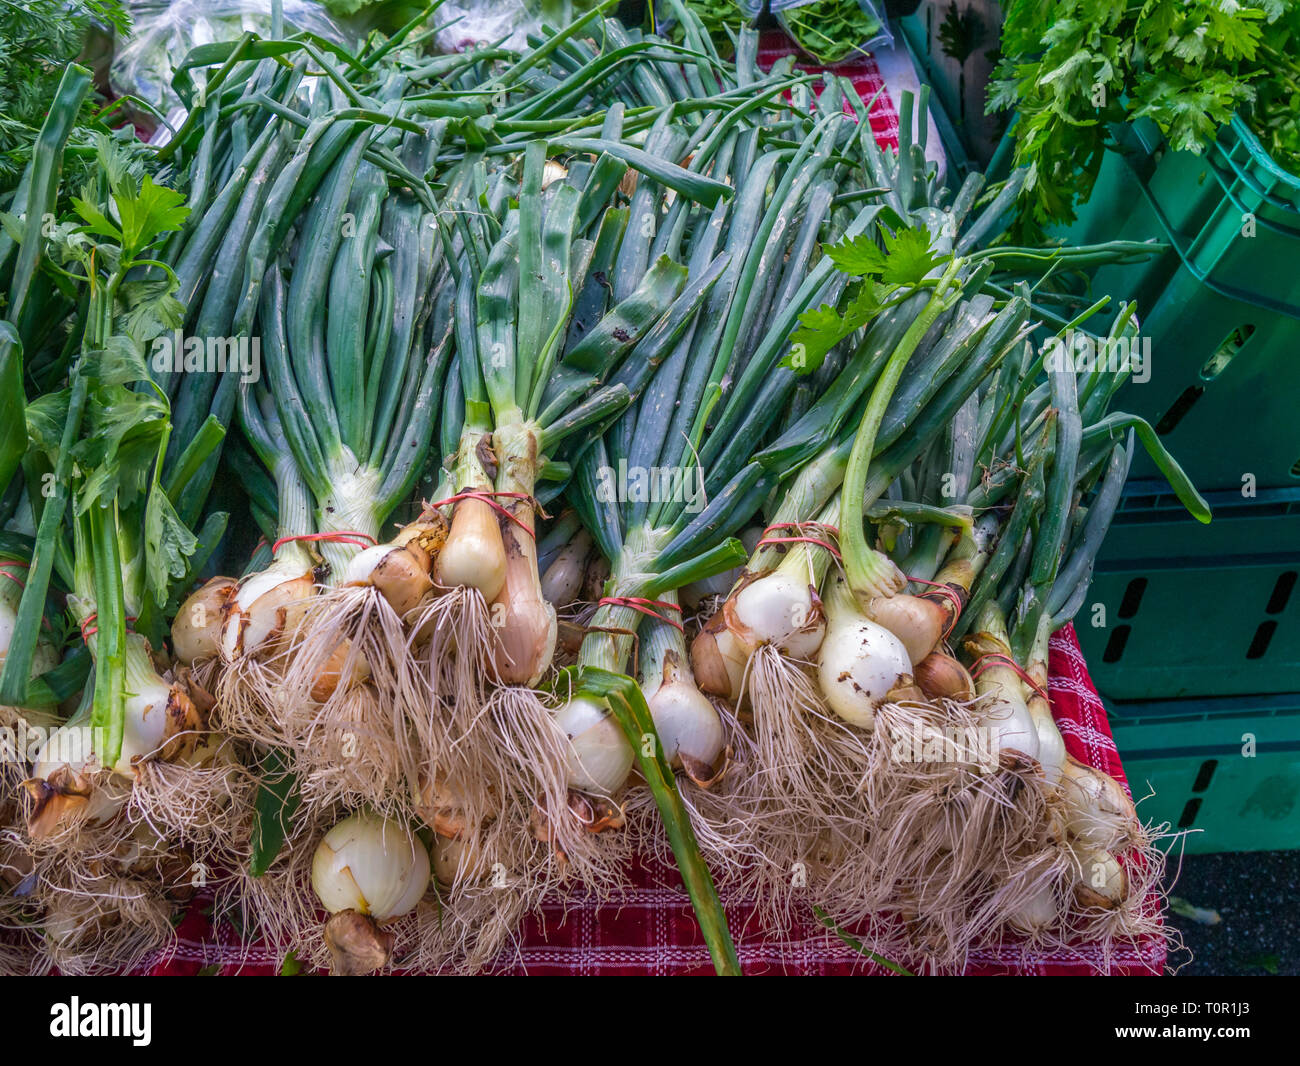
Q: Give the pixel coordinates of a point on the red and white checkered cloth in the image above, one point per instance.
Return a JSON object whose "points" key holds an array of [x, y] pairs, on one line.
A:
{"points": [[862, 72], [650, 929]]}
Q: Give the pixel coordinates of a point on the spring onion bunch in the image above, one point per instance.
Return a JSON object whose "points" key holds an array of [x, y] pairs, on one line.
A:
{"points": [[673, 298], [837, 645]]}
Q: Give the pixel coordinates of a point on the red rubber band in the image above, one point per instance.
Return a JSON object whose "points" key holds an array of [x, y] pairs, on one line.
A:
{"points": [[87, 633], [998, 657], [14, 577], [640, 603], [767, 541], [343, 536], [489, 499], [945, 592]]}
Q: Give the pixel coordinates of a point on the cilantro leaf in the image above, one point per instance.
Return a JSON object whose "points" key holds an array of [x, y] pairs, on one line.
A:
{"points": [[857, 256], [1071, 69], [96, 221], [146, 215], [823, 328], [152, 308]]}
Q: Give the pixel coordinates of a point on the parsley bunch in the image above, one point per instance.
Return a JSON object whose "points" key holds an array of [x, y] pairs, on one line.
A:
{"points": [[1070, 68]]}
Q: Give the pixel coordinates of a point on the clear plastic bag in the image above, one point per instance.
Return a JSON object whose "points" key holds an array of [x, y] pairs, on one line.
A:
{"points": [[833, 31], [473, 22], [164, 32]]}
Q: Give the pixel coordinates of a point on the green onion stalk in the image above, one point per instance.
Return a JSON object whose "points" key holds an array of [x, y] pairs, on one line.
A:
{"points": [[354, 329], [994, 854], [40, 708], [1099, 861], [645, 481], [547, 356], [781, 645]]}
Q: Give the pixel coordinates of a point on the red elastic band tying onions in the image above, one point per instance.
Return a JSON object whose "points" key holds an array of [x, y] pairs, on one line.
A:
{"points": [[14, 577], [799, 527], [489, 499], [645, 606], [343, 536], [946, 592], [994, 658], [87, 633]]}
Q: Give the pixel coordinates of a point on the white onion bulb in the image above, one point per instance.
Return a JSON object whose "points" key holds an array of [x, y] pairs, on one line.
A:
{"points": [[599, 754], [687, 723], [860, 663], [372, 865], [778, 609]]}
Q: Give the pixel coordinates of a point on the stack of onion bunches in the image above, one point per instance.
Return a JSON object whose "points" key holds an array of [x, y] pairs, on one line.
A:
{"points": [[644, 461]]}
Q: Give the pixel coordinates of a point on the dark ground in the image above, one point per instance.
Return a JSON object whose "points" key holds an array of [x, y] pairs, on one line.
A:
{"points": [[1255, 893]]}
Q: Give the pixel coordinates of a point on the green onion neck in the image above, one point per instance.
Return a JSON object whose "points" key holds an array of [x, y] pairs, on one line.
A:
{"points": [[350, 507], [871, 574], [294, 517], [812, 487], [805, 561], [604, 646], [469, 474], [138, 664], [663, 645]]}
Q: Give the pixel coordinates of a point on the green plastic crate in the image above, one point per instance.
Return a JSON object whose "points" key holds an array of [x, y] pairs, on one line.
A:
{"points": [[1225, 771], [1223, 387], [914, 39], [1231, 213], [1181, 609], [1220, 309]]}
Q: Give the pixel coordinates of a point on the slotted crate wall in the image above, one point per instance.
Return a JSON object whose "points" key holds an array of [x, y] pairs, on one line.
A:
{"points": [[1196, 610], [1220, 308], [960, 89], [1227, 771]]}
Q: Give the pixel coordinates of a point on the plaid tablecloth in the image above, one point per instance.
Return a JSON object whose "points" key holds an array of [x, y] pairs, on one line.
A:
{"points": [[863, 72], [650, 929]]}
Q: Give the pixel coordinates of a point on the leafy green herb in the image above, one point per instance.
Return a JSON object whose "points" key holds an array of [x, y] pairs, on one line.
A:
{"points": [[828, 30], [831, 30], [37, 37], [886, 275], [1071, 69]]}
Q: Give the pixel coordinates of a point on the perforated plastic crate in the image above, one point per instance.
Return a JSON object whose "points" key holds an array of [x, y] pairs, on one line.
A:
{"points": [[1220, 309], [1225, 770], [1178, 608]]}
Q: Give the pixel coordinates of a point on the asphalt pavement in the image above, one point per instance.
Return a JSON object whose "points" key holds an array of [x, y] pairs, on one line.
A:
{"points": [[1254, 894]]}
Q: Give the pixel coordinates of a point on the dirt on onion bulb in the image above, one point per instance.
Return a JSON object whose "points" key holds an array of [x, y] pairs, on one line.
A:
{"points": [[861, 662]]}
